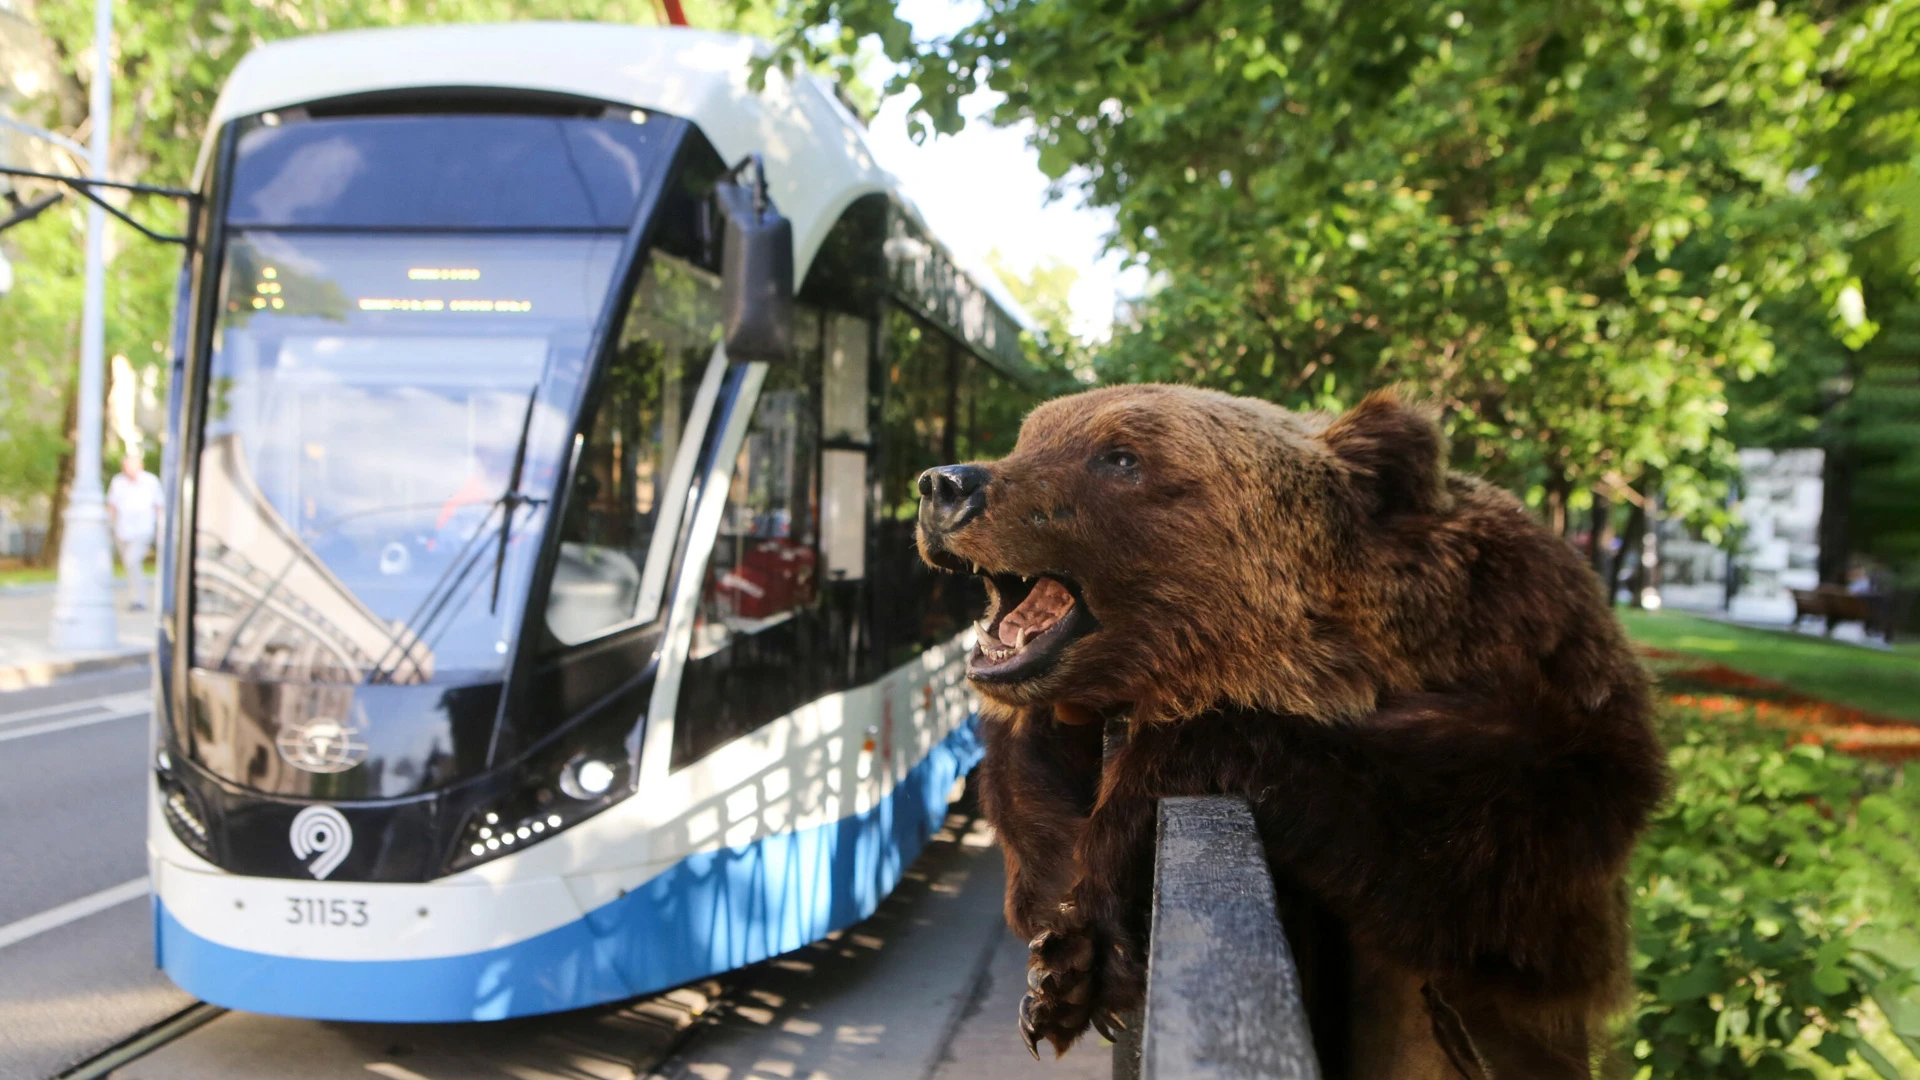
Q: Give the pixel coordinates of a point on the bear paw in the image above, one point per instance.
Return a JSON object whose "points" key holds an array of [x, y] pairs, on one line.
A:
{"points": [[1068, 987]]}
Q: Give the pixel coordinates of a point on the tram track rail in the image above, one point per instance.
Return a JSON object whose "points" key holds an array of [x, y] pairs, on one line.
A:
{"points": [[677, 1019], [142, 1042]]}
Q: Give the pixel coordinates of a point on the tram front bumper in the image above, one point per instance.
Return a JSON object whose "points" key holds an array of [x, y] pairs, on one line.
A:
{"points": [[491, 945], [357, 951]]}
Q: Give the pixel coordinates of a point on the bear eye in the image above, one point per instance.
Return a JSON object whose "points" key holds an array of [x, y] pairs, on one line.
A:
{"points": [[1125, 461]]}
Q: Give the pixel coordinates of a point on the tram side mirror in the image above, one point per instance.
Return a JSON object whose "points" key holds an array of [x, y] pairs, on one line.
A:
{"points": [[756, 266]]}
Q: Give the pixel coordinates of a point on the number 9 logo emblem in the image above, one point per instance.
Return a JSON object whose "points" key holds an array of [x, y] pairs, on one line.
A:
{"points": [[321, 833]]}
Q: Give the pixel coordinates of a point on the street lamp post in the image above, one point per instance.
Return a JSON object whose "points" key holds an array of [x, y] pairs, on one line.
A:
{"points": [[83, 615]]}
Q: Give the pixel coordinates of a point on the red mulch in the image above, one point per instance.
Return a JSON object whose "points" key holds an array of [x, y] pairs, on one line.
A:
{"points": [[1717, 689]]}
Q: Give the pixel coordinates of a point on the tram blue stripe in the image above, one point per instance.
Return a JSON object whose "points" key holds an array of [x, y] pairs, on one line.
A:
{"points": [[709, 913]]}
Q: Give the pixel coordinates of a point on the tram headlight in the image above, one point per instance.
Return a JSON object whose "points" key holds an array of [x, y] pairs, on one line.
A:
{"points": [[552, 797], [587, 777]]}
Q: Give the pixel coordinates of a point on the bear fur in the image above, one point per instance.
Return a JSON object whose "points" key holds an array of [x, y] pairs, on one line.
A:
{"points": [[1420, 691]]}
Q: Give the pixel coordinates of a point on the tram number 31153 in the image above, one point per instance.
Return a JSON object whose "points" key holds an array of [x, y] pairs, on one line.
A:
{"points": [[314, 911]]}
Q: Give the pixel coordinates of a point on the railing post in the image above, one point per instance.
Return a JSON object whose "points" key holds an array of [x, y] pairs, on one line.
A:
{"points": [[1223, 997], [1126, 1046]]}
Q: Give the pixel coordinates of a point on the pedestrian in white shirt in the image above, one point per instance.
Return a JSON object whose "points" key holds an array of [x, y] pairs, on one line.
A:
{"points": [[135, 502]]}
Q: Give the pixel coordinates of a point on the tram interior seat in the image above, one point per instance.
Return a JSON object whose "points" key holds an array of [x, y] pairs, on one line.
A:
{"points": [[594, 587]]}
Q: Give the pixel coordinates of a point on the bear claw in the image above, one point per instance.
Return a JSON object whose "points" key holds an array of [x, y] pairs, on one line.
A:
{"points": [[1063, 989], [1028, 1033]]}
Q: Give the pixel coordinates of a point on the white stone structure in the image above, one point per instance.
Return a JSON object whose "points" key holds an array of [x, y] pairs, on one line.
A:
{"points": [[1779, 507]]}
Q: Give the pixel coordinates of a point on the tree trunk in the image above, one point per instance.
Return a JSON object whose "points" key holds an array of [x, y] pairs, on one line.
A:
{"points": [[1629, 553], [63, 479], [1600, 534], [1732, 583], [1556, 507], [1652, 574], [1836, 501]]}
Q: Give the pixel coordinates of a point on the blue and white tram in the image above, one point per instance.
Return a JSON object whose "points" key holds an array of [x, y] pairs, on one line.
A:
{"points": [[520, 649]]}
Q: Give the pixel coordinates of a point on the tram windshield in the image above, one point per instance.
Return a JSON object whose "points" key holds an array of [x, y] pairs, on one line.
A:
{"points": [[386, 408], [359, 518]]}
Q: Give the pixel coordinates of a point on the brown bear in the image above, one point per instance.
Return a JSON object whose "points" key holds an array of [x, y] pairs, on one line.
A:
{"points": [[1420, 691]]}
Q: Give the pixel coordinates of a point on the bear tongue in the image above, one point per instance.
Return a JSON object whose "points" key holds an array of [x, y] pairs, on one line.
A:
{"points": [[1044, 606]]}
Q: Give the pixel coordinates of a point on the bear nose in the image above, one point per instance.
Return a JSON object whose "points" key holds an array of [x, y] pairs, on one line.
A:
{"points": [[952, 495]]}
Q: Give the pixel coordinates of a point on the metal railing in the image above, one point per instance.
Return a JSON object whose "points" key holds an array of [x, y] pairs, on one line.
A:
{"points": [[1223, 996]]}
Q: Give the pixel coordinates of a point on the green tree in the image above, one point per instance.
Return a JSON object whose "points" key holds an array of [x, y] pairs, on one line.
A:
{"points": [[1856, 399], [1044, 291], [1567, 222]]}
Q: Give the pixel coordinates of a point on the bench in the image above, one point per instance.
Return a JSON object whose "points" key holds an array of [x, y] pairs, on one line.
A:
{"points": [[1835, 605]]}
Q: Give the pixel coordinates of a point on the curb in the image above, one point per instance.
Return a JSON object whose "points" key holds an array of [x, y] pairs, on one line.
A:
{"points": [[42, 672]]}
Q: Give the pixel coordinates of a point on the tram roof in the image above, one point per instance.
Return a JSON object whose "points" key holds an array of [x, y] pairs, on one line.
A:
{"points": [[816, 154]]}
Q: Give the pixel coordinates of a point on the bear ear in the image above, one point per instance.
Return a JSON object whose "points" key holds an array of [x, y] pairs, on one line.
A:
{"points": [[1396, 454]]}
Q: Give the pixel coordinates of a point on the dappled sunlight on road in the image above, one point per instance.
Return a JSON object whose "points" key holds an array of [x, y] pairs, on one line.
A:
{"points": [[881, 1000]]}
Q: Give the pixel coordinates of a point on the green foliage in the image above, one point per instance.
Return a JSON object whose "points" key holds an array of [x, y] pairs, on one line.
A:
{"points": [[1774, 912], [1574, 225], [39, 336], [1875, 426], [1065, 361], [1043, 291]]}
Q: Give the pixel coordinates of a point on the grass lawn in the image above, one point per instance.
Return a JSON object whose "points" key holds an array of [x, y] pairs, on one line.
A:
{"points": [[1884, 682], [25, 575], [35, 575]]}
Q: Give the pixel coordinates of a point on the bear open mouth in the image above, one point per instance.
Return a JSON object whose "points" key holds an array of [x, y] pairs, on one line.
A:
{"points": [[1030, 621]]}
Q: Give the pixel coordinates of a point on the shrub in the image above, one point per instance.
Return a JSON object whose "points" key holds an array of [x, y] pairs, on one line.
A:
{"points": [[1774, 903]]}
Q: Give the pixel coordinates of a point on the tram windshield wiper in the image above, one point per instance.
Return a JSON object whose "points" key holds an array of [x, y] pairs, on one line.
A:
{"points": [[439, 599], [511, 500]]}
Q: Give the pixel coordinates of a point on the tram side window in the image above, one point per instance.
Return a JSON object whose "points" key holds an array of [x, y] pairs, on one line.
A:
{"points": [[988, 412], [758, 650], [614, 553], [763, 564], [943, 406], [919, 607], [844, 381]]}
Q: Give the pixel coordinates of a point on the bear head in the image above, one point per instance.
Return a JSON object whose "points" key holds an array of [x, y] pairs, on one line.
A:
{"points": [[1168, 550]]}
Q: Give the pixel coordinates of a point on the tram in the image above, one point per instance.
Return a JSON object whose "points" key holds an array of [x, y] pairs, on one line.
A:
{"points": [[540, 622]]}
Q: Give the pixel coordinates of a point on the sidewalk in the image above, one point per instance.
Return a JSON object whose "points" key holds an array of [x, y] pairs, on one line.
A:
{"points": [[928, 988], [27, 658]]}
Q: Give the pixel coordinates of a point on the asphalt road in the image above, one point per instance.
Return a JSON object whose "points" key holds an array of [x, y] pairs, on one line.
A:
{"points": [[73, 829]]}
